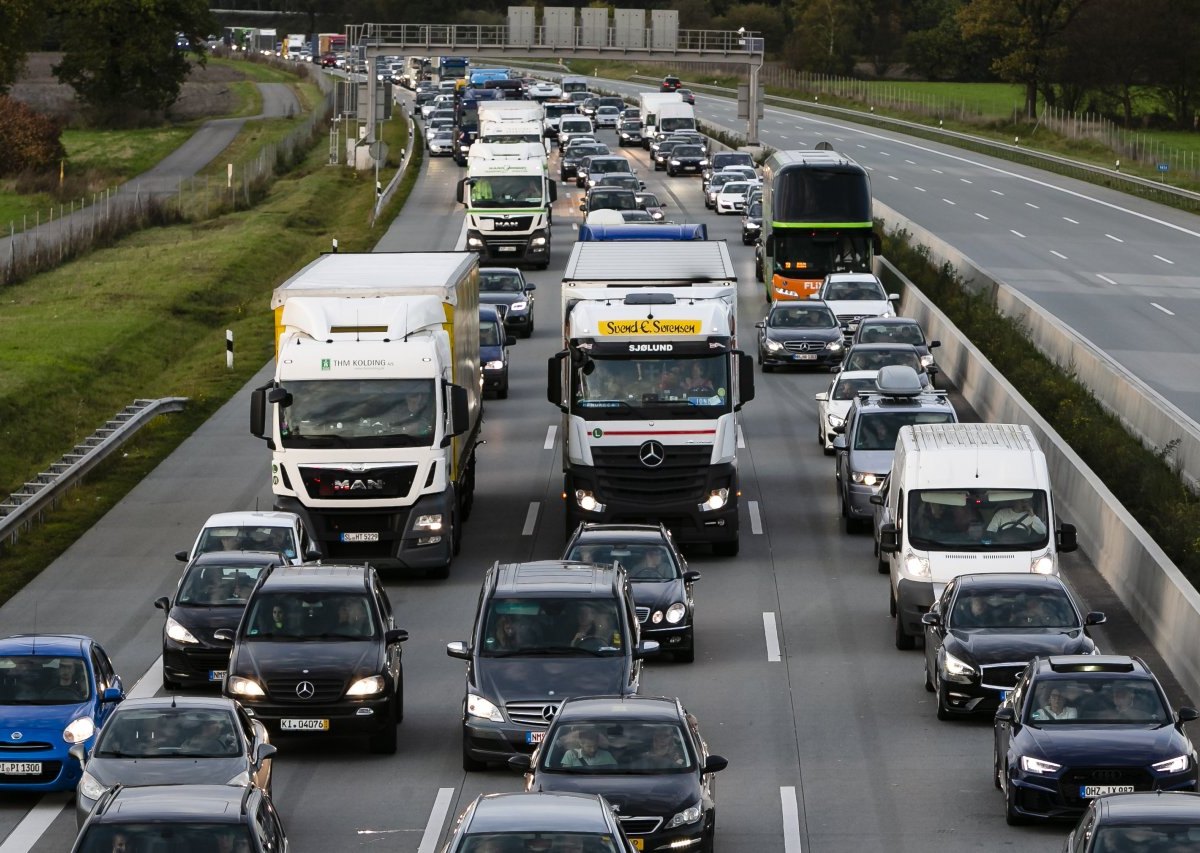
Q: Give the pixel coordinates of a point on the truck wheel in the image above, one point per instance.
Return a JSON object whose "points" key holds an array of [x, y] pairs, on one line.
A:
{"points": [[726, 549]]}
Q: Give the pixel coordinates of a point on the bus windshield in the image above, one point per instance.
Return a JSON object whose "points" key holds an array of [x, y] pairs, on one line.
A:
{"points": [[814, 255]]}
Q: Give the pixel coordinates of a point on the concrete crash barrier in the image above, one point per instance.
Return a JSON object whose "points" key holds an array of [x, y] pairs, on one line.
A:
{"points": [[1143, 411], [1162, 601]]}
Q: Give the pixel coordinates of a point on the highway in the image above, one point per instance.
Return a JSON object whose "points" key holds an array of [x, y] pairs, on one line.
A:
{"points": [[832, 740]]}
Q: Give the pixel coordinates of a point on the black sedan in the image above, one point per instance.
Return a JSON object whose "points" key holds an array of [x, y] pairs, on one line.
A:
{"points": [[645, 756], [1163, 823], [985, 628], [500, 823], [800, 334], [568, 166], [662, 156], [507, 287], [1078, 727], [211, 595], [897, 330], [752, 223], [173, 740], [879, 356], [662, 583], [686, 160]]}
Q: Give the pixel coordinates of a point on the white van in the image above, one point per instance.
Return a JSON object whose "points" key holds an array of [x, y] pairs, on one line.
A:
{"points": [[963, 499], [571, 126]]}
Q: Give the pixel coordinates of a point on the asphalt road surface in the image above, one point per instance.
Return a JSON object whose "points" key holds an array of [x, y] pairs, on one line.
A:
{"points": [[833, 746]]}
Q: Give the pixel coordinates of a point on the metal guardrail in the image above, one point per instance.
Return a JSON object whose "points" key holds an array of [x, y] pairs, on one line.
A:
{"points": [[405, 160], [26, 505]]}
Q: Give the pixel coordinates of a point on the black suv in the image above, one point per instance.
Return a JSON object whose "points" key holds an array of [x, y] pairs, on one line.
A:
{"points": [[544, 632], [183, 817], [318, 651]]}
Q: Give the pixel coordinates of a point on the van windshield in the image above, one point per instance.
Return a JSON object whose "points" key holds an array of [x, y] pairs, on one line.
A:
{"points": [[978, 519]]}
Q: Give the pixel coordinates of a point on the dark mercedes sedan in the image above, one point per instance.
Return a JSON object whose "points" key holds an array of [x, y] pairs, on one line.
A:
{"points": [[799, 334], [1159, 822], [1078, 727], [985, 628], [645, 756], [658, 573], [686, 160]]}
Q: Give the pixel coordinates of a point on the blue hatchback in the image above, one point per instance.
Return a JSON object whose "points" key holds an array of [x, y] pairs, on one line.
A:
{"points": [[56, 691]]}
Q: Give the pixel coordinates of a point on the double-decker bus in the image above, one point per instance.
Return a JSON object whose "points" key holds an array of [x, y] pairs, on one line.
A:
{"points": [[816, 220]]}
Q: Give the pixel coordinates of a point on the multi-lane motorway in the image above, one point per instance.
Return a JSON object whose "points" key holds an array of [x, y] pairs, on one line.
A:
{"points": [[832, 740]]}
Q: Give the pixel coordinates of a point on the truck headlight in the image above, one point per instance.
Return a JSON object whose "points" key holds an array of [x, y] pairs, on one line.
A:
{"points": [[676, 612], [773, 346], [369, 686], [493, 365], [79, 730], [178, 633], [587, 501], [864, 478], [477, 706], [716, 499], [954, 669], [244, 686], [538, 241], [1037, 765], [433, 521], [914, 566], [474, 243], [1043, 565]]}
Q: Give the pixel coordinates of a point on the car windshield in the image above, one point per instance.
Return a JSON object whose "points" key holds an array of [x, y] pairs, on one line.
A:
{"points": [[489, 334], [688, 151], [619, 164], [799, 316], [735, 188], [648, 200], [1105, 699], [43, 680], [878, 430], [611, 200], [631, 124], [754, 211], [644, 562], [625, 182], [855, 291], [891, 333], [226, 585], [877, 359], [310, 616], [358, 413], [169, 733], [977, 519], [645, 389], [617, 747], [274, 538], [1147, 838], [1016, 608], [847, 389], [225, 837], [636, 216], [720, 161], [581, 151], [552, 626], [550, 842], [500, 281]]}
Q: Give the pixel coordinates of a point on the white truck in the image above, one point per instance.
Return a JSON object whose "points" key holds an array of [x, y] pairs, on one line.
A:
{"points": [[508, 201], [510, 111], [373, 413], [648, 381], [648, 108], [295, 45]]}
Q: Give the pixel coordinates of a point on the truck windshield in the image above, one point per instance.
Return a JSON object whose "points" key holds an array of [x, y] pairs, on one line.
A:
{"points": [[359, 413], [978, 519], [506, 138], [668, 387], [506, 190]]}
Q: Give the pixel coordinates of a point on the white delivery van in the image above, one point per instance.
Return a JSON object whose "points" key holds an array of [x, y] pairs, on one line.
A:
{"points": [[963, 499]]}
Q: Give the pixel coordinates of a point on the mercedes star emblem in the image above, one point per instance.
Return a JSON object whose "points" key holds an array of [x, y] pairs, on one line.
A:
{"points": [[548, 712], [651, 454], [305, 690]]}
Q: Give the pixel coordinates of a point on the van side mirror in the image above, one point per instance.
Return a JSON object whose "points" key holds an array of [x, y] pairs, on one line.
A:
{"points": [[1186, 715], [839, 440], [312, 555], [112, 694], [893, 297], [889, 538], [1065, 538], [460, 415], [1006, 715], [520, 763]]}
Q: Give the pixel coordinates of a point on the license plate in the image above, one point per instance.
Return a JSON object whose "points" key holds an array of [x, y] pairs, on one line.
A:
{"points": [[805, 356], [638, 843], [20, 768], [304, 725], [1004, 695], [534, 737], [216, 675], [1090, 791], [508, 248], [360, 537]]}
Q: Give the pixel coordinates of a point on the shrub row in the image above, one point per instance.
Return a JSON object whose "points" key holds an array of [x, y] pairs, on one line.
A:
{"points": [[29, 140]]}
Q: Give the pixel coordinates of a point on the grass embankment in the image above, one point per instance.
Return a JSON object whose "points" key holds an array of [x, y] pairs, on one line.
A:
{"points": [[146, 317]]}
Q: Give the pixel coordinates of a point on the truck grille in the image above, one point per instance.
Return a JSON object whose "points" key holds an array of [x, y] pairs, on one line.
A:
{"points": [[532, 713], [372, 484], [681, 477], [500, 224], [283, 690]]}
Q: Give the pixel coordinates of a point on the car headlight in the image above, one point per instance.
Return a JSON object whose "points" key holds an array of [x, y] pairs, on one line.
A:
{"points": [[689, 815], [1172, 765], [773, 346], [1043, 565], [178, 633], [657, 215], [493, 365], [864, 478], [888, 312], [656, 616], [1037, 765], [954, 669], [676, 612], [368, 686], [926, 361], [433, 521], [703, 162], [89, 788], [914, 566], [240, 686], [242, 780], [520, 305], [587, 501], [674, 162], [716, 499], [834, 346], [477, 706], [79, 730], [834, 421], [624, 135]]}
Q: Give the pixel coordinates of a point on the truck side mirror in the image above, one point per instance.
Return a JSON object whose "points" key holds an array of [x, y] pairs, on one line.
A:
{"points": [[553, 188], [554, 379], [889, 538], [876, 243], [745, 380], [460, 415], [1066, 538], [460, 191], [258, 412], [769, 246]]}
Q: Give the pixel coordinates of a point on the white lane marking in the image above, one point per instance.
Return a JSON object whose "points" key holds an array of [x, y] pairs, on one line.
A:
{"points": [[26, 833], [462, 237], [791, 820], [937, 171], [995, 192], [919, 189], [741, 438], [149, 683], [755, 518], [965, 181], [1072, 221], [1164, 310], [981, 216], [1164, 260], [531, 518], [772, 635], [781, 136], [948, 201], [550, 433], [862, 146], [1031, 204], [911, 162], [1106, 279], [1058, 254], [839, 139], [437, 819], [1111, 237], [893, 177], [870, 168], [885, 154], [574, 226], [1018, 233]]}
